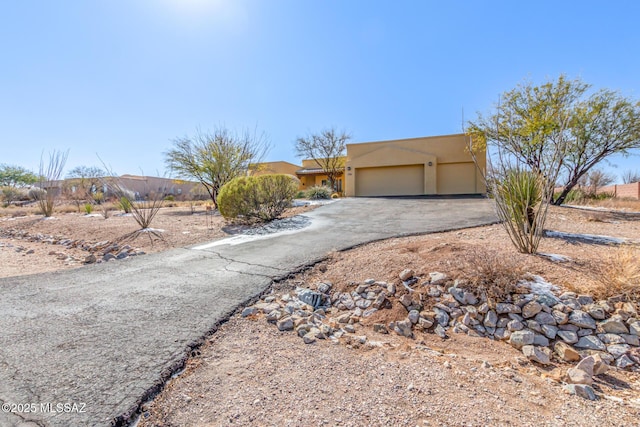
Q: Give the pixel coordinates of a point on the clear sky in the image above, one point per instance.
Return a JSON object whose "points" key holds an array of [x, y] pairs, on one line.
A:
{"points": [[120, 79]]}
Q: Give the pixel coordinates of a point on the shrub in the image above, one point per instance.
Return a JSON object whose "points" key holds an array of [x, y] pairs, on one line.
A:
{"points": [[618, 275], [301, 195], [125, 204], [169, 198], [319, 192], [257, 198], [88, 208]]}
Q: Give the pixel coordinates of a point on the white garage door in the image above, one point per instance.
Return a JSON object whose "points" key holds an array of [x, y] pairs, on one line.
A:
{"points": [[390, 181]]}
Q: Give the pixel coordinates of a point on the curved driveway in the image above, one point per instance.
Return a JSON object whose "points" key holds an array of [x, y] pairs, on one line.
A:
{"points": [[84, 347]]}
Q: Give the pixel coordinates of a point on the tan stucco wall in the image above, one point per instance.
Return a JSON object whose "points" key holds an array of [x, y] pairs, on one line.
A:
{"points": [[448, 166], [274, 167]]}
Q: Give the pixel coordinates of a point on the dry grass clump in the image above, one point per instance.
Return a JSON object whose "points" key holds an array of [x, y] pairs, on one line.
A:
{"points": [[615, 203], [617, 275], [487, 273]]}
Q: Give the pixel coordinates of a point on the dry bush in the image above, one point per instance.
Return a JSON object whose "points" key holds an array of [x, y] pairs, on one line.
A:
{"points": [[618, 274], [616, 203], [487, 273]]}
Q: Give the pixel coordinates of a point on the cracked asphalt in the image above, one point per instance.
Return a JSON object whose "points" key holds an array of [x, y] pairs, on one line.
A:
{"points": [[86, 347]]}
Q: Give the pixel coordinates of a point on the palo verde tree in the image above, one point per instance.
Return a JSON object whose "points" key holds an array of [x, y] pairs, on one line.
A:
{"points": [[536, 123], [327, 148], [215, 158]]}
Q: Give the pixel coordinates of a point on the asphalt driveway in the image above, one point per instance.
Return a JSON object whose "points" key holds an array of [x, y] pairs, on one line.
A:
{"points": [[85, 347]]}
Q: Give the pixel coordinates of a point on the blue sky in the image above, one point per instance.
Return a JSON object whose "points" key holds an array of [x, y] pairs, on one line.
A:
{"points": [[120, 79]]}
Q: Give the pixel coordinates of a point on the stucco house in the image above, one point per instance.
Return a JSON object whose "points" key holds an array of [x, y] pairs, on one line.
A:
{"points": [[433, 165]]}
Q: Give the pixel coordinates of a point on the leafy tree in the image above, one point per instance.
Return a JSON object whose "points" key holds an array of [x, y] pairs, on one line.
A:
{"points": [[327, 148], [630, 176], [16, 176], [537, 125], [215, 158]]}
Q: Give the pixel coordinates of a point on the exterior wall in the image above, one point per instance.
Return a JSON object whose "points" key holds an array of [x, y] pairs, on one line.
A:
{"points": [[274, 167], [631, 191], [308, 181], [448, 166]]}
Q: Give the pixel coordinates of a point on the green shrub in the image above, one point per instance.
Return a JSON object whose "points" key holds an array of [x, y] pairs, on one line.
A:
{"points": [[301, 195], [125, 204], [88, 208], [170, 198], [257, 198], [319, 192]]}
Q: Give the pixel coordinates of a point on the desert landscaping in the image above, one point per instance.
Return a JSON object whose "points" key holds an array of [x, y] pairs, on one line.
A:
{"points": [[377, 335]]}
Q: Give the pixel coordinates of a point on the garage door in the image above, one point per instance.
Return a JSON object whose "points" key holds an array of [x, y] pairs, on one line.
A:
{"points": [[390, 181]]}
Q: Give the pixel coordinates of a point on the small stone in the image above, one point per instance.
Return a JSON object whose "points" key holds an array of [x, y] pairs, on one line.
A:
{"points": [[582, 319], [550, 331], [624, 362], [406, 274], [587, 365], [437, 278], [534, 326], [531, 309], [490, 319], [380, 300], [442, 317], [581, 390], [502, 334], [108, 257], [380, 328], [585, 299], [584, 332], [324, 287], [267, 308], [90, 259], [515, 325], [599, 365], [309, 338], [285, 324], [414, 316], [545, 318], [565, 352], [505, 308], [614, 326], [617, 350], [634, 328], [595, 311], [560, 317], [403, 328], [611, 339], [578, 376], [568, 336], [535, 354], [249, 311], [591, 343], [540, 340], [631, 339], [369, 312], [425, 323], [440, 331], [349, 329], [518, 339]]}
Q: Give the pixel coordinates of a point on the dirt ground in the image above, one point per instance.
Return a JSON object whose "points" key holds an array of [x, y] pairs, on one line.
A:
{"points": [[249, 373]]}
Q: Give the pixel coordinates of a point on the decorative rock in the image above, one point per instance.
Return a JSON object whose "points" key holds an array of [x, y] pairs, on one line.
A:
{"points": [[442, 317], [309, 338], [391, 289], [531, 309], [624, 362], [599, 365], [634, 328], [324, 287], [285, 324], [90, 259], [578, 376], [534, 326], [587, 365], [582, 319], [380, 328], [403, 328], [611, 338], [595, 311], [369, 312], [515, 325], [561, 318], [540, 340], [581, 390], [349, 329], [590, 342], [584, 332], [547, 299], [425, 323], [439, 330], [502, 334], [585, 299], [274, 315], [249, 311], [505, 308], [414, 316], [614, 326], [550, 331], [491, 319], [518, 339], [631, 339], [617, 350], [267, 308], [406, 300], [437, 278], [535, 354], [406, 274], [380, 300], [565, 352], [545, 319], [108, 257]]}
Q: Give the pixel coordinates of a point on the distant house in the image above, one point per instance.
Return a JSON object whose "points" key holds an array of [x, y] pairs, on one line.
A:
{"points": [[435, 165]]}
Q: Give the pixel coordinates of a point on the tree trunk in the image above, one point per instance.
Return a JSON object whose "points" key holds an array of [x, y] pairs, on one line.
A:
{"points": [[567, 188]]}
